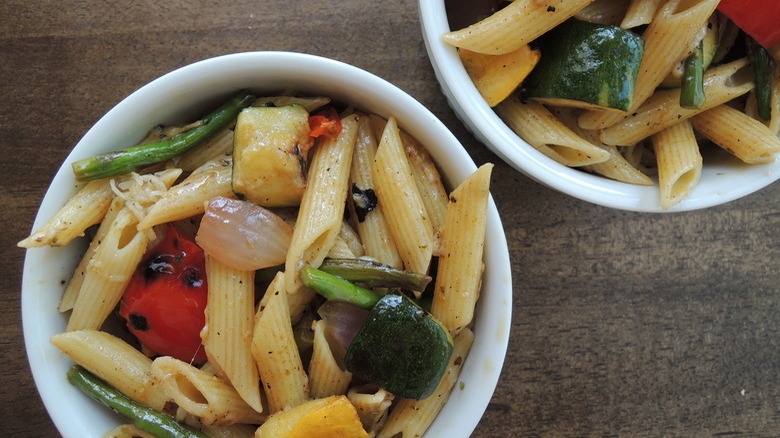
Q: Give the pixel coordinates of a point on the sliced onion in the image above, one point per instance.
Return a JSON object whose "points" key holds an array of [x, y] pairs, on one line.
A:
{"points": [[243, 235], [343, 321]]}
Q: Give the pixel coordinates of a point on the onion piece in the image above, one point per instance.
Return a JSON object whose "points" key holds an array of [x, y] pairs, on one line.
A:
{"points": [[343, 321], [243, 235]]}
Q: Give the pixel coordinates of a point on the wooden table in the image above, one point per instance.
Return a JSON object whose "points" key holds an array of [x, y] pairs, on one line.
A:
{"points": [[625, 324]]}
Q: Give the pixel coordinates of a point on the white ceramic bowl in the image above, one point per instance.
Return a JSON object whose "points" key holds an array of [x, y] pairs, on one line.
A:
{"points": [[721, 182], [180, 96]]}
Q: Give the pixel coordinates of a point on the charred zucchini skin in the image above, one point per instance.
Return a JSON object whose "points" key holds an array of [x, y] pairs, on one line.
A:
{"points": [[401, 348], [587, 64]]}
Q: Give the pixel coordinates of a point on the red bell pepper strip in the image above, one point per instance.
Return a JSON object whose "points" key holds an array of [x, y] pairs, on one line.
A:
{"points": [[758, 18]]}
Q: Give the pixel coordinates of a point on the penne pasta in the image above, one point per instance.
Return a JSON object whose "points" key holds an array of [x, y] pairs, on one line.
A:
{"points": [[219, 145], [372, 404], [679, 162], [227, 335], [322, 207], [609, 12], [459, 274], [284, 380], [541, 129], [86, 208], [404, 209], [640, 12], [326, 377], [512, 27], [748, 139]]}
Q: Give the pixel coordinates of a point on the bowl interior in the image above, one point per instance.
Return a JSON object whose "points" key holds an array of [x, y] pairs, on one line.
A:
{"points": [[723, 178], [182, 95]]}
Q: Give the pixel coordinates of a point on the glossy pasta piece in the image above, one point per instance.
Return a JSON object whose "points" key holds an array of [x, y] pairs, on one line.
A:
{"points": [[227, 335], [679, 162], [748, 139], [512, 27], [188, 198], [662, 109], [284, 380], [373, 229], [405, 211], [202, 394], [84, 209], [542, 130], [640, 12], [459, 274], [668, 39], [609, 12], [116, 362], [218, 145], [326, 378], [412, 418], [322, 207], [372, 404]]}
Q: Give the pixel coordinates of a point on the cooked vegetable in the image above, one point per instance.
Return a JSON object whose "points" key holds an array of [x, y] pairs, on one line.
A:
{"points": [[586, 65], [269, 155], [337, 289], [243, 235], [144, 418], [692, 89], [758, 18], [401, 348], [326, 124], [164, 302], [497, 76], [375, 274], [330, 417], [763, 70], [710, 42], [133, 158]]}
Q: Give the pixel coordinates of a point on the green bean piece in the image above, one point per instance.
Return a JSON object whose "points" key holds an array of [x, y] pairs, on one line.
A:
{"points": [[375, 274], [692, 89], [763, 70], [144, 418], [337, 289], [135, 157]]}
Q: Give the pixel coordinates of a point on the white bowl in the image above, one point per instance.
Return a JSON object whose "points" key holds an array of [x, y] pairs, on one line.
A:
{"points": [[181, 96], [721, 181]]}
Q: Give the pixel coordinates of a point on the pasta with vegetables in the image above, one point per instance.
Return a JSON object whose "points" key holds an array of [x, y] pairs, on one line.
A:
{"points": [[271, 275], [595, 84]]}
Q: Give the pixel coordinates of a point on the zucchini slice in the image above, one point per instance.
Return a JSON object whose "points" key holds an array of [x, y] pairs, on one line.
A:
{"points": [[401, 348], [586, 65]]}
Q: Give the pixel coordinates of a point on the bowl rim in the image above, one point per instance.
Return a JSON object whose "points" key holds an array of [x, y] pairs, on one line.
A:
{"points": [[731, 180], [47, 269]]}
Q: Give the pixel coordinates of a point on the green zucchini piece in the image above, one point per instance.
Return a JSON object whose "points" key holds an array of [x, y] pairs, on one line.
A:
{"points": [[269, 155], [401, 348], [586, 65]]}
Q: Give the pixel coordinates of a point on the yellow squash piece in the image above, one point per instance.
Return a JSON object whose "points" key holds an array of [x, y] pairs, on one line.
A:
{"points": [[330, 417], [269, 155], [497, 76]]}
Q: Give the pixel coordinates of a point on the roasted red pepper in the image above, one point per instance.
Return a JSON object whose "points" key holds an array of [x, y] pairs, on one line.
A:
{"points": [[165, 301], [758, 18], [326, 124]]}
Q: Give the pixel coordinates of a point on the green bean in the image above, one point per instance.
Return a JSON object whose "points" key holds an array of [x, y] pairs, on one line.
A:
{"points": [[374, 274], [337, 289], [133, 158], [692, 89], [144, 418], [763, 71]]}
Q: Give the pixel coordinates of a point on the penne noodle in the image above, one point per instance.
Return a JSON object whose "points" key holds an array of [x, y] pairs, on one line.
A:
{"points": [[514, 26], [748, 139], [117, 363], [372, 404], [202, 394], [459, 274], [84, 209], [188, 198], [322, 207], [609, 12], [373, 229], [218, 145], [542, 130], [404, 209], [679, 162], [640, 12], [326, 377], [274, 349], [227, 335]]}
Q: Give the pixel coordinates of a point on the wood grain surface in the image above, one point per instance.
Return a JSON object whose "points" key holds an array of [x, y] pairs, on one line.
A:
{"points": [[624, 324]]}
